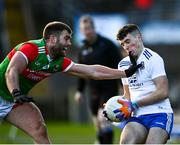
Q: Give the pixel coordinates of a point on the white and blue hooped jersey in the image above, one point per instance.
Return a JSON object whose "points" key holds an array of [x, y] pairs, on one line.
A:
{"points": [[141, 83]]}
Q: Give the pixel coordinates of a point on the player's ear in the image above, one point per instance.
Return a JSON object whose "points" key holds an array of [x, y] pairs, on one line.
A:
{"points": [[52, 39], [139, 36]]}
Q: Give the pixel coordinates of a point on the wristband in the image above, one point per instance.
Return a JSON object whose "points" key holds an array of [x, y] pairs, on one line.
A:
{"points": [[135, 105], [16, 92]]}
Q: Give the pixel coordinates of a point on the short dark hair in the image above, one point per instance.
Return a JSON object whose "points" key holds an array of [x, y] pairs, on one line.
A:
{"points": [[87, 19], [128, 28], [55, 28]]}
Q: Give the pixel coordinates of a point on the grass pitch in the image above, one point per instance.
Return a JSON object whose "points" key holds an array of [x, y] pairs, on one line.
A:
{"points": [[59, 133]]}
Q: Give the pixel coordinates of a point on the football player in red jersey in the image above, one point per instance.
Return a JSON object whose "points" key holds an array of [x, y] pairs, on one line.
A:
{"points": [[32, 61]]}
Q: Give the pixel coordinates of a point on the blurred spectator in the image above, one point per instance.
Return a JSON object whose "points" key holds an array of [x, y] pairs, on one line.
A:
{"points": [[98, 50]]}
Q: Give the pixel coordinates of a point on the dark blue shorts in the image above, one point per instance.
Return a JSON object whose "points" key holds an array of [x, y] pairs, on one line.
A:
{"points": [[161, 120]]}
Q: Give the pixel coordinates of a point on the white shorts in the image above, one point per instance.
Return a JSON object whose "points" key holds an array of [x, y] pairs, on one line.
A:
{"points": [[5, 107]]}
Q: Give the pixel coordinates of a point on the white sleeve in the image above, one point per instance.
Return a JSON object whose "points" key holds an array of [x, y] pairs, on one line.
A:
{"points": [[123, 65], [157, 67]]}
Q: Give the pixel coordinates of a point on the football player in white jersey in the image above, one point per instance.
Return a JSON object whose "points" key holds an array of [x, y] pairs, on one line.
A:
{"points": [[151, 118]]}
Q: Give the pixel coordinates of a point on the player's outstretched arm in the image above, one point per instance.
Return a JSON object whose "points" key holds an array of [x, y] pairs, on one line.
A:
{"points": [[99, 72]]}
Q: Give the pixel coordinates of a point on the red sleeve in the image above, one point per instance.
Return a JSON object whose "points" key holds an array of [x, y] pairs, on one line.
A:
{"points": [[67, 63], [30, 51]]}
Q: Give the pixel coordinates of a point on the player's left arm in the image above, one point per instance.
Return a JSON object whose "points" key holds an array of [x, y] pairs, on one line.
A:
{"points": [[159, 78], [160, 94], [17, 64]]}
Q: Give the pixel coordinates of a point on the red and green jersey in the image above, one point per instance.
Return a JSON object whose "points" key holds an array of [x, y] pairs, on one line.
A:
{"points": [[40, 66]]}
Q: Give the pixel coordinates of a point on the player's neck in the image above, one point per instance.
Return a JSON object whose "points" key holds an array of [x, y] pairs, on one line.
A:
{"points": [[52, 53], [140, 50]]}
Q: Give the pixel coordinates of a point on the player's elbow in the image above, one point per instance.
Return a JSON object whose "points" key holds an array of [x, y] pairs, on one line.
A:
{"points": [[164, 93]]}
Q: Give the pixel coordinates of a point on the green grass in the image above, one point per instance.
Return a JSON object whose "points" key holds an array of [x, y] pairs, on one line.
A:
{"points": [[59, 132]]}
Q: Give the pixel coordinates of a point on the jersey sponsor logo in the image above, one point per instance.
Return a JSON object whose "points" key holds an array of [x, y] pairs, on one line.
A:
{"points": [[133, 82], [35, 75], [147, 54]]}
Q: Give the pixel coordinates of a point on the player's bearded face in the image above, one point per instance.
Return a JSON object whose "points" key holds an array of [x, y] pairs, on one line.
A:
{"points": [[59, 49], [62, 44]]}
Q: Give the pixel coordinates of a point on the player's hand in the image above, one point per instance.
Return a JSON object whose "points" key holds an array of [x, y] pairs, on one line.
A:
{"points": [[132, 59], [20, 98], [134, 67], [127, 108]]}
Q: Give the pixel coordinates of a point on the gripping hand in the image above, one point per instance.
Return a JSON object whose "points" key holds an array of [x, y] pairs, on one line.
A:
{"points": [[19, 97], [126, 109], [134, 67]]}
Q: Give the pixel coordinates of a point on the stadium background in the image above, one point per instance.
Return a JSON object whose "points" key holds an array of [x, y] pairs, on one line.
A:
{"points": [[21, 20]]}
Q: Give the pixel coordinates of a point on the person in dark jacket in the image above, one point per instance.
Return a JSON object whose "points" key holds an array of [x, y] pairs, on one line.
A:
{"points": [[97, 49]]}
